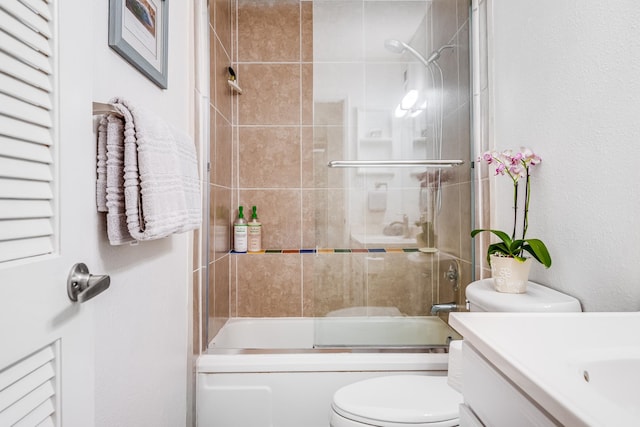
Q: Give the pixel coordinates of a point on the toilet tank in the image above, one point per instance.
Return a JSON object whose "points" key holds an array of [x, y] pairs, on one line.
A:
{"points": [[481, 296]]}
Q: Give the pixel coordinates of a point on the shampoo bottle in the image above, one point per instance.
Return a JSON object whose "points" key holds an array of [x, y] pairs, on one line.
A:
{"points": [[255, 232], [240, 232]]}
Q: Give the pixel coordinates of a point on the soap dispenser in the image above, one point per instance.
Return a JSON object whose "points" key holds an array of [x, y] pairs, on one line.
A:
{"points": [[240, 232], [255, 232]]}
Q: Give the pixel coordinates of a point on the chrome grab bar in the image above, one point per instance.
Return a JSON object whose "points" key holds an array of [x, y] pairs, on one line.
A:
{"points": [[394, 163]]}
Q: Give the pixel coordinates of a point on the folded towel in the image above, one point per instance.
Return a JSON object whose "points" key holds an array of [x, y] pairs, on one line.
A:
{"points": [[152, 184], [110, 178], [101, 181]]}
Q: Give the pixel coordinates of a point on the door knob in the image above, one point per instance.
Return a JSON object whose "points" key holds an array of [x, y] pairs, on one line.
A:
{"points": [[82, 286]]}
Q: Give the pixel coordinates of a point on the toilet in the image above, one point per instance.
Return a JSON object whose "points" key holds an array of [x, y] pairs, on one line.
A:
{"points": [[429, 401]]}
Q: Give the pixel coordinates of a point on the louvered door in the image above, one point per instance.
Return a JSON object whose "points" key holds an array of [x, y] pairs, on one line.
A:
{"points": [[26, 129], [47, 220]]}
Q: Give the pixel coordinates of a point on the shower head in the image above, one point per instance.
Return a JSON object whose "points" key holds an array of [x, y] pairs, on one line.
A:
{"points": [[397, 46]]}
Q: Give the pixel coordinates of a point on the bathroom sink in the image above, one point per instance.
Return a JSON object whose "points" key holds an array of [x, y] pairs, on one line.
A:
{"points": [[382, 241], [582, 368], [614, 375]]}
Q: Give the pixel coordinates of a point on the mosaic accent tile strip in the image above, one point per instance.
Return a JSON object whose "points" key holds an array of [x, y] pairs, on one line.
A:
{"points": [[329, 251]]}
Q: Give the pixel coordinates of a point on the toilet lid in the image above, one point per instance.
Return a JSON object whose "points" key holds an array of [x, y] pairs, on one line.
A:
{"points": [[413, 400]]}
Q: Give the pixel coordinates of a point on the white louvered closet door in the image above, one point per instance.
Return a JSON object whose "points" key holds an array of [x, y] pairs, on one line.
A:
{"points": [[47, 214]]}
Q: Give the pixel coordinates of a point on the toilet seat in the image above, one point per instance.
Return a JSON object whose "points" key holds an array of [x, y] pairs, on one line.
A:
{"points": [[397, 401]]}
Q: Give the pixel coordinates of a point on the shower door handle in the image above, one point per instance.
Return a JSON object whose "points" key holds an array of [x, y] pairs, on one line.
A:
{"points": [[82, 286]]}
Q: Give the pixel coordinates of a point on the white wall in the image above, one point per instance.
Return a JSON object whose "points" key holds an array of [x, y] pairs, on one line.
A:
{"points": [[566, 81], [141, 322]]}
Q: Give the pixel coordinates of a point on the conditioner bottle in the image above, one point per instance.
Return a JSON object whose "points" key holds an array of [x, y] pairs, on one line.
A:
{"points": [[255, 232], [240, 232]]}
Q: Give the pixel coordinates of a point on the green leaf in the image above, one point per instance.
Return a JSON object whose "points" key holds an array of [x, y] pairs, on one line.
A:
{"points": [[539, 251], [497, 248], [501, 234], [514, 248]]}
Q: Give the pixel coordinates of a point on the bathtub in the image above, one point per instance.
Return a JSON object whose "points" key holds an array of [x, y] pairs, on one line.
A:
{"points": [[283, 372]]}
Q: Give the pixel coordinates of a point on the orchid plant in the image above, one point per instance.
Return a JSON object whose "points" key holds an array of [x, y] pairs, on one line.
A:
{"points": [[518, 168]]}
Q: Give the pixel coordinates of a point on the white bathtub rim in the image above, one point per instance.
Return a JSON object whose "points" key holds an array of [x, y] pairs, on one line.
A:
{"points": [[322, 362], [299, 332]]}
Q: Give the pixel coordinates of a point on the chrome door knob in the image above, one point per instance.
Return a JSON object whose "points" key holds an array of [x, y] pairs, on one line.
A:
{"points": [[82, 286]]}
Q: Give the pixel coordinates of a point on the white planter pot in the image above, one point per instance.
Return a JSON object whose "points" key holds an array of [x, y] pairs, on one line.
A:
{"points": [[510, 275]]}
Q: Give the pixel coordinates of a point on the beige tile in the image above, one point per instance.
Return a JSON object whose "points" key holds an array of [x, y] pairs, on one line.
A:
{"points": [[464, 278], [307, 159], [269, 285], [397, 280], [223, 94], [306, 28], [268, 31], [456, 145], [211, 298], [197, 318], [220, 229], [308, 273], [317, 201], [309, 220], [307, 94], [319, 152], [279, 213], [462, 47], [464, 124], [465, 223], [326, 209], [449, 63], [333, 282], [211, 219], [222, 156], [445, 21], [329, 113], [233, 286], [196, 258], [463, 12], [448, 225], [269, 157], [451, 146], [223, 22], [212, 66], [220, 308], [212, 13], [271, 94]]}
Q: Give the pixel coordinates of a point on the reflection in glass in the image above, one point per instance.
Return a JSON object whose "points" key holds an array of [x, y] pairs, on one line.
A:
{"points": [[386, 87]]}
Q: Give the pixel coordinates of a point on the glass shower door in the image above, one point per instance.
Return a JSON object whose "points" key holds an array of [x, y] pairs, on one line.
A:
{"points": [[386, 236]]}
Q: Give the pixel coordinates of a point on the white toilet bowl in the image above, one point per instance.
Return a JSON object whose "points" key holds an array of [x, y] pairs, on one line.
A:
{"points": [[396, 401], [427, 401]]}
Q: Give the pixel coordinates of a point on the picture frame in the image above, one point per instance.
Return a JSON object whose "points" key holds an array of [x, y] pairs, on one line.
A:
{"points": [[138, 31]]}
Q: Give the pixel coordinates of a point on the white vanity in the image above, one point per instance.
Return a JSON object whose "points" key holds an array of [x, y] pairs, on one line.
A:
{"points": [[549, 369]]}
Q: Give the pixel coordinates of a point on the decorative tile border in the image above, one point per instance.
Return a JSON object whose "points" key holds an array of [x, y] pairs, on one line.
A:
{"points": [[328, 251]]}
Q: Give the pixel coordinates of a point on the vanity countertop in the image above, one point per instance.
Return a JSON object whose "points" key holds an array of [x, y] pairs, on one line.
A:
{"points": [[582, 368]]}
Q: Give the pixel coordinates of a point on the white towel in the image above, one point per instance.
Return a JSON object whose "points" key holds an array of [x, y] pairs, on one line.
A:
{"points": [[101, 181], [156, 190], [110, 178]]}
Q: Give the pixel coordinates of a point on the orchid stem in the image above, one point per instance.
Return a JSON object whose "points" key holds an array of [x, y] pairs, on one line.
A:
{"points": [[515, 208], [526, 204]]}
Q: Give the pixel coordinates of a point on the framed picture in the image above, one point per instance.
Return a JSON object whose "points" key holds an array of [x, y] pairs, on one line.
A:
{"points": [[138, 31]]}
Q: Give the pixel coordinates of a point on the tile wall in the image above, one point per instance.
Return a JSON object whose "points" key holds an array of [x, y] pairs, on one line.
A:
{"points": [[272, 167], [221, 115]]}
